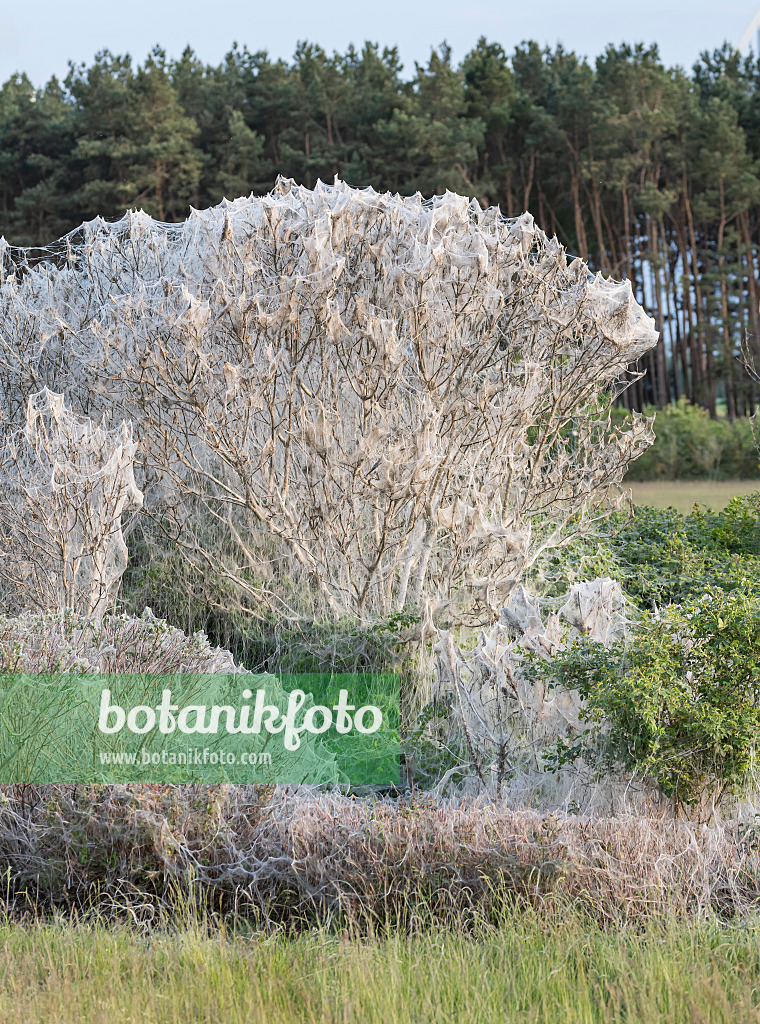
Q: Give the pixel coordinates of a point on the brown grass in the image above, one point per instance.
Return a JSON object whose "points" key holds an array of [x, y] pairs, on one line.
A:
{"points": [[300, 856]]}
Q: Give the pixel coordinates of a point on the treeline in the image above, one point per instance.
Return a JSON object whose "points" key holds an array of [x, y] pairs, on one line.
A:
{"points": [[645, 171]]}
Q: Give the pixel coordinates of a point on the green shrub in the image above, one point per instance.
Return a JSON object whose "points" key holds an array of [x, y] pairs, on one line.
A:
{"points": [[691, 446], [661, 556], [678, 703]]}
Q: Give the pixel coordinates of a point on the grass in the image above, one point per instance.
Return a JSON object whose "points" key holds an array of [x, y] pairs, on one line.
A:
{"points": [[303, 858], [529, 969], [681, 494]]}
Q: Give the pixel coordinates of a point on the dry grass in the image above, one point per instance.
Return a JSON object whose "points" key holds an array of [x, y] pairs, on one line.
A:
{"points": [[299, 856], [303, 856]]}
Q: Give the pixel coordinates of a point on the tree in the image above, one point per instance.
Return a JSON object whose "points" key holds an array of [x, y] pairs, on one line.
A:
{"points": [[645, 171], [489, 91], [135, 144], [403, 402], [431, 144], [36, 136]]}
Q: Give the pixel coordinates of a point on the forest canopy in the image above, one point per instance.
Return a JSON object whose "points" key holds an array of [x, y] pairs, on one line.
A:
{"points": [[647, 172]]}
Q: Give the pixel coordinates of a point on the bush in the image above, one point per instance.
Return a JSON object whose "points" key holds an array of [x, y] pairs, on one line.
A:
{"points": [[66, 642], [661, 556], [691, 446], [678, 703], [297, 858]]}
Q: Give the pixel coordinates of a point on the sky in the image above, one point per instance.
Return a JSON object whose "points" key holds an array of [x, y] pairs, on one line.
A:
{"points": [[41, 37]]}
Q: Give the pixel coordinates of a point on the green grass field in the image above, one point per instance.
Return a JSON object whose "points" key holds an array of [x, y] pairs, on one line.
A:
{"points": [[682, 494], [560, 970]]}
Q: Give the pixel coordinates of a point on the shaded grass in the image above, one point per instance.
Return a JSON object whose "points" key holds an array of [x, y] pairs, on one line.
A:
{"points": [[681, 494], [532, 967]]}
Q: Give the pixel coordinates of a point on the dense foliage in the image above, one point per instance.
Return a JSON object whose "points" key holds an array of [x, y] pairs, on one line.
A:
{"points": [[678, 702], [661, 557], [689, 445], [646, 171]]}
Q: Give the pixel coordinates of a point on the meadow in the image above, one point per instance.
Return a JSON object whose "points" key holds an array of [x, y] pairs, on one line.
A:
{"points": [[684, 494], [529, 967]]}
